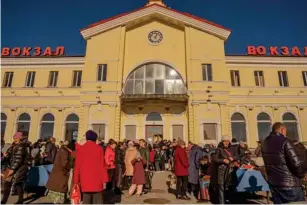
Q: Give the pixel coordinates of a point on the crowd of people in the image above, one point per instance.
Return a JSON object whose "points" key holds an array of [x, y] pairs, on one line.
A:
{"points": [[204, 172]]}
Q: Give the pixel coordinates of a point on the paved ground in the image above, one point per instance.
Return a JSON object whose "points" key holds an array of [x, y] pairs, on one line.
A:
{"points": [[158, 195]]}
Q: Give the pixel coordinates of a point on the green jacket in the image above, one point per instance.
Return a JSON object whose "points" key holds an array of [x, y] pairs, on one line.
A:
{"points": [[145, 154]]}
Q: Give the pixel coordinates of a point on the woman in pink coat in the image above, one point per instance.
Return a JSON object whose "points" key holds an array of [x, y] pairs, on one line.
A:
{"points": [[110, 163], [138, 179]]}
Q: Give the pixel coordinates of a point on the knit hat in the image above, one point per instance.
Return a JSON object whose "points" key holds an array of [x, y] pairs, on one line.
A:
{"points": [[180, 142], [91, 135], [234, 141], [18, 135], [225, 138], [130, 143]]}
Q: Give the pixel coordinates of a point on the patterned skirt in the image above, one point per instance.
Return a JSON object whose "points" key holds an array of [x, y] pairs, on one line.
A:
{"points": [[57, 197]]}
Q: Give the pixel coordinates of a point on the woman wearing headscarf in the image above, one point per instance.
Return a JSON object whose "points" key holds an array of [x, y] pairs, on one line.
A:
{"points": [[225, 156], [16, 173], [129, 156]]}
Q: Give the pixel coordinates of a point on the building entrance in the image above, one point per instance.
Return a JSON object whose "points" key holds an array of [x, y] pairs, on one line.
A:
{"points": [[152, 130]]}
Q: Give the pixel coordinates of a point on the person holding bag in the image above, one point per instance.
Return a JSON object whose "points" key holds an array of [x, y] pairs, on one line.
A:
{"points": [[17, 170]]}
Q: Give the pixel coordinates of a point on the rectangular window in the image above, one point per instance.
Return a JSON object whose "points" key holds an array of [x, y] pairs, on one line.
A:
{"points": [[100, 130], [102, 72], [259, 78], [8, 79], [77, 77], [283, 78], [177, 132], [207, 72], [53, 78], [305, 77], [130, 132], [235, 78], [30, 79], [210, 131]]}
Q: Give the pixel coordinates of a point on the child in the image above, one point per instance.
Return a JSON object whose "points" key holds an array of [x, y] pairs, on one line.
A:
{"points": [[205, 169]]}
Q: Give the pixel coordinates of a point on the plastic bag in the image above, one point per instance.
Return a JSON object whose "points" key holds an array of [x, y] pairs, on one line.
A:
{"points": [[76, 194]]}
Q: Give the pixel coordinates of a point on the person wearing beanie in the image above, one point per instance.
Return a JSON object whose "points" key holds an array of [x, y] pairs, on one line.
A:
{"points": [[90, 171]]}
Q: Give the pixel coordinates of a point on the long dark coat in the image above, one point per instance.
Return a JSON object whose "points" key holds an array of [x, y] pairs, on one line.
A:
{"points": [[218, 168], [195, 154], [58, 179], [138, 172]]}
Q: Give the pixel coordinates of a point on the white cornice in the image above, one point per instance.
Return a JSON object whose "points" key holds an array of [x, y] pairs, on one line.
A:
{"points": [[19, 62], [265, 60], [155, 9]]}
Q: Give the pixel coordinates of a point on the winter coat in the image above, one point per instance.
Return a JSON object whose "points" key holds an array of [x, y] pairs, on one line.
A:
{"points": [[144, 151], [19, 161], [181, 163], [159, 156], [195, 154], [152, 155], [282, 164], [220, 170], [50, 150], [302, 153], [205, 169], [119, 157], [90, 170], [110, 158], [138, 172], [129, 156], [58, 179]]}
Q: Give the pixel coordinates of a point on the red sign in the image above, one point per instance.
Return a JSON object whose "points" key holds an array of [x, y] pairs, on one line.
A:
{"points": [[29, 51], [276, 51]]}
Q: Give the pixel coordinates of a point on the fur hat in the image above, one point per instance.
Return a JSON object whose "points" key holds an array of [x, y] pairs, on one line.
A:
{"points": [[225, 138]]}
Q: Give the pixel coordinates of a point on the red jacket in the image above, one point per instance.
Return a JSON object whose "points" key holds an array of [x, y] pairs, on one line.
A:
{"points": [[110, 158], [90, 171], [152, 156], [181, 163]]}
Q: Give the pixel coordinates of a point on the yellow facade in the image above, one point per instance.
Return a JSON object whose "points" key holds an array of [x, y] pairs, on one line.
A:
{"points": [[123, 48]]}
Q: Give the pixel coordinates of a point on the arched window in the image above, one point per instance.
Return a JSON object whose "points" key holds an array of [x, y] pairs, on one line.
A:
{"points": [[154, 78], [291, 124], [3, 123], [23, 123], [47, 126], [238, 127], [72, 125], [264, 125], [153, 117]]}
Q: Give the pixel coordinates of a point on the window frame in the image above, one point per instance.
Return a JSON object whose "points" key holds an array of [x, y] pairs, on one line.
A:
{"points": [[235, 74], [259, 78], [78, 74], [8, 79], [53, 76], [30, 79], [205, 72], [103, 73], [304, 75], [283, 82]]}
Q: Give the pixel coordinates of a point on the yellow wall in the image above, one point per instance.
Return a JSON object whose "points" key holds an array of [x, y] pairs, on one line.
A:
{"points": [[184, 48]]}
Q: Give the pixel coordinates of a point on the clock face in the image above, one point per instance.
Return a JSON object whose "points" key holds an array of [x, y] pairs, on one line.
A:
{"points": [[155, 37]]}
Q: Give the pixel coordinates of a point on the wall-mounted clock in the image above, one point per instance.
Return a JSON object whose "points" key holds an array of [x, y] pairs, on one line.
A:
{"points": [[155, 37]]}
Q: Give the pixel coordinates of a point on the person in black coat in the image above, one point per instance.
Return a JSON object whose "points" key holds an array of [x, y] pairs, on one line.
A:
{"points": [[119, 164], [19, 158], [302, 153], [50, 151], [224, 158], [283, 166]]}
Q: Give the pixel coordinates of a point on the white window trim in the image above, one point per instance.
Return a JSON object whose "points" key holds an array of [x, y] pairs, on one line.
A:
{"points": [[281, 73], [29, 75], [52, 78], [77, 72], [205, 67], [235, 78], [218, 131], [103, 67], [9, 79], [259, 78]]}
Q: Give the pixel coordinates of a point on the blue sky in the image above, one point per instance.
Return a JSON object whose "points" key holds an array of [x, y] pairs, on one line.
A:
{"points": [[58, 22]]}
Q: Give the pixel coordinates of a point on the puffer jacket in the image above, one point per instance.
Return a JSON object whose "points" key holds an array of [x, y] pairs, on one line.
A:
{"points": [[283, 166], [110, 158], [19, 159]]}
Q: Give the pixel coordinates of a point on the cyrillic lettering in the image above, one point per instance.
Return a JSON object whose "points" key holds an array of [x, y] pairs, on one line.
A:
{"points": [[296, 51], [284, 50], [261, 50], [38, 51], [251, 50], [26, 51], [16, 51], [5, 51], [273, 50], [59, 51], [47, 52]]}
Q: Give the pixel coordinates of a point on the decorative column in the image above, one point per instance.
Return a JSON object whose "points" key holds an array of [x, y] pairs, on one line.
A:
{"points": [[117, 122], [224, 121], [191, 133]]}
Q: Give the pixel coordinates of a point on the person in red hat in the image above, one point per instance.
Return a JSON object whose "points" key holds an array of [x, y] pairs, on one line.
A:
{"points": [[90, 171]]}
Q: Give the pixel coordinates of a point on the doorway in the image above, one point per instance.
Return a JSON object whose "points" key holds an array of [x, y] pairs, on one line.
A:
{"points": [[151, 131]]}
